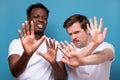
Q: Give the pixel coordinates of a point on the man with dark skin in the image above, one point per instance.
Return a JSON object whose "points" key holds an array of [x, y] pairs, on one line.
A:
{"points": [[34, 56]]}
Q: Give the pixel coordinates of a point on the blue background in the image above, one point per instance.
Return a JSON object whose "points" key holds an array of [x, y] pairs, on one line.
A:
{"points": [[13, 13]]}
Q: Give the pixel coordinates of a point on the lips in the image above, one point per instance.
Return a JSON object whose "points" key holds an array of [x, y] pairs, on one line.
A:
{"points": [[39, 25], [76, 41]]}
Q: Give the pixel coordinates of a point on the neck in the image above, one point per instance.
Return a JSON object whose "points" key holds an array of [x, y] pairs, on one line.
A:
{"points": [[88, 41]]}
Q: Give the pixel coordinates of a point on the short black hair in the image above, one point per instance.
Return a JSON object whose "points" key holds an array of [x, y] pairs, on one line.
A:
{"points": [[37, 5]]}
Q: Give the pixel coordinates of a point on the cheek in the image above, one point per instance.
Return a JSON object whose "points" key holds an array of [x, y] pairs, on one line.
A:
{"points": [[45, 23], [80, 35], [71, 37]]}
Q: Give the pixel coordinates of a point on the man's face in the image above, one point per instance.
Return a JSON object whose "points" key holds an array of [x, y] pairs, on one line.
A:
{"points": [[78, 35], [39, 17]]}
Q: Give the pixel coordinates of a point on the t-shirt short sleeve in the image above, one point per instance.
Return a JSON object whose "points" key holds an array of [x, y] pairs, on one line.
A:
{"points": [[15, 47]]}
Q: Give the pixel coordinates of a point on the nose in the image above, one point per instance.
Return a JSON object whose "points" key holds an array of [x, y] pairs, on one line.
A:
{"points": [[40, 19], [73, 37]]}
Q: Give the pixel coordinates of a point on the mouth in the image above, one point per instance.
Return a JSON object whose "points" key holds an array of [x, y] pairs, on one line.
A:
{"points": [[76, 42], [39, 25]]}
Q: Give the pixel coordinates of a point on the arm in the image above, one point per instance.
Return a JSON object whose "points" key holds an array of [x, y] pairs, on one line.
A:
{"points": [[59, 71], [18, 63], [97, 37], [58, 67], [99, 57], [74, 58]]}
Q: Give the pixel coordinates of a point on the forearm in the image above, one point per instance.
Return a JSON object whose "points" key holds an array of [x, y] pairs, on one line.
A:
{"points": [[93, 60], [59, 71], [19, 66], [86, 51], [99, 57]]}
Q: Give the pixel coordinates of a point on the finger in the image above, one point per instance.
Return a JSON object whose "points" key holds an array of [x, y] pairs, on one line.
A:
{"points": [[65, 46], [68, 62], [65, 61], [27, 28], [23, 30], [50, 43], [41, 54], [62, 50], [32, 28], [40, 41], [91, 24], [68, 46], [47, 44], [62, 44], [100, 26], [57, 48], [20, 34], [74, 48], [105, 32], [95, 22], [89, 29], [54, 43], [66, 43]]}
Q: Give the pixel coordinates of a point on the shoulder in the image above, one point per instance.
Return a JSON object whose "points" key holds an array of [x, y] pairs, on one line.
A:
{"points": [[15, 47], [15, 41], [15, 44], [105, 45]]}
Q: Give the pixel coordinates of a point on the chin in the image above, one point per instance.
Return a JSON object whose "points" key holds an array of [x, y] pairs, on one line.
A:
{"points": [[38, 32], [79, 46]]}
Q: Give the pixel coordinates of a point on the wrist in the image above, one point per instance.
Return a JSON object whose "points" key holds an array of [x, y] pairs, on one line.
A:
{"points": [[92, 44], [84, 61], [26, 55]]}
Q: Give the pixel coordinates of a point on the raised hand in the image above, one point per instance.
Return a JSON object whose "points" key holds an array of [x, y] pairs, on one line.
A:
{"points": [[50, 55], [29, 43], [72, 56], [96, 31]]}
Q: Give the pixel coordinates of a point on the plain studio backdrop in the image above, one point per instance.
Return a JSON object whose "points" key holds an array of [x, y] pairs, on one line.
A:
{"points": [[13, 14]]}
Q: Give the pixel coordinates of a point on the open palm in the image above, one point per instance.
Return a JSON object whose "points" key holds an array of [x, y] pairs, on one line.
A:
{"points": [[50, 55], [96, 31], [29, 43]]}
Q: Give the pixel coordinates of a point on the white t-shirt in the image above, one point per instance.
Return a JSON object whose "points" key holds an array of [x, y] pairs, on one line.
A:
{"points": [[93, 72], [38, 68]]}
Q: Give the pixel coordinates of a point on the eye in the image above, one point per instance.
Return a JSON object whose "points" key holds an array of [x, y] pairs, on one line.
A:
{"points": [[36, 16], [70, 34], [45, 18], [77, 32]]}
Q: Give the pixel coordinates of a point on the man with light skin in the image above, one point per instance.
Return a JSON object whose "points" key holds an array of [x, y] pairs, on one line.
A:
{"points": [[88, 57]]}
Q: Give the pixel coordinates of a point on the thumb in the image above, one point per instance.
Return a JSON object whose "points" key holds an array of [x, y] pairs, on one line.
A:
{"points": [[41, 39], [64, 61], [39, 53]]}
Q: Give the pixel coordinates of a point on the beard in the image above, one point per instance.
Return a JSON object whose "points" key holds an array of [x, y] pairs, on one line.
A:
{"points": [[38, 32]]}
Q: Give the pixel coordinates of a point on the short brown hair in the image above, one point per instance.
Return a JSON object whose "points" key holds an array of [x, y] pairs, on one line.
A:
{"points": [[76, 18]]}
